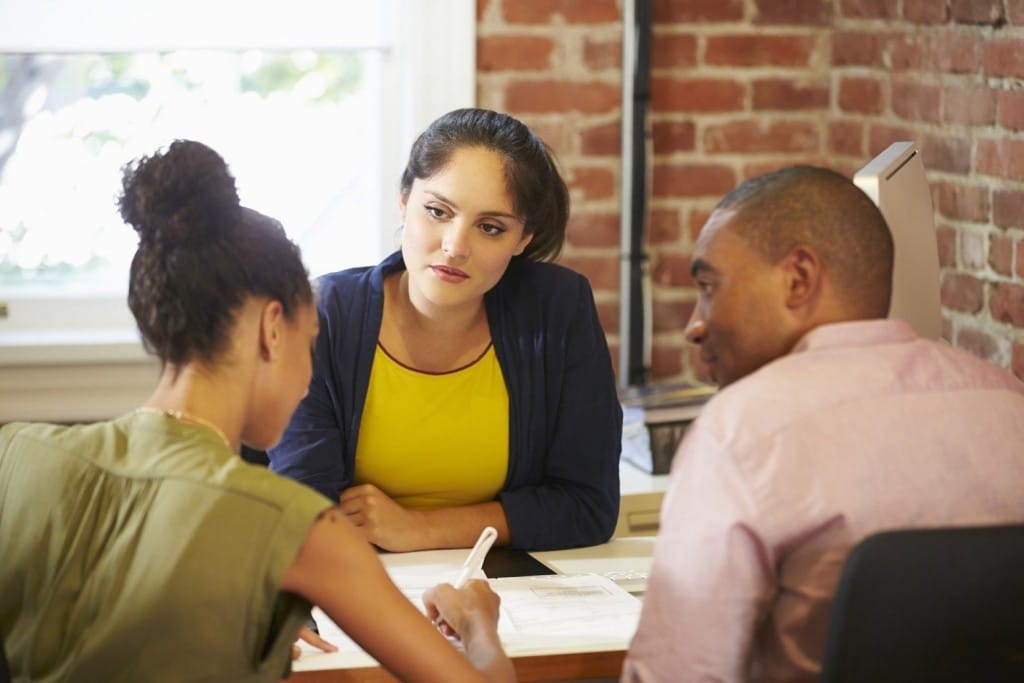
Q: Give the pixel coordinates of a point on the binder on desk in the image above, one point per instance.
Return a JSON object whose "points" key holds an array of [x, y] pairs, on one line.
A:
{"points": [[654, 420]]}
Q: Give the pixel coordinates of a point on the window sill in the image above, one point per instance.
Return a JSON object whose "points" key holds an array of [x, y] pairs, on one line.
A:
{"points": [[73, 376]]}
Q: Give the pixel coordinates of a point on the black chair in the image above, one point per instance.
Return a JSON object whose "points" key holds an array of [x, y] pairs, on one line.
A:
{"points": [[930, 605]]}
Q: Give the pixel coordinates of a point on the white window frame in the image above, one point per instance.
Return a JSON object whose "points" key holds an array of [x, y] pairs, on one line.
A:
{"points": [[59, 363]]}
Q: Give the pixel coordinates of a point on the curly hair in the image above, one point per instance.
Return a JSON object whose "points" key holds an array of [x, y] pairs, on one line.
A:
{"points": [[200, 253]]}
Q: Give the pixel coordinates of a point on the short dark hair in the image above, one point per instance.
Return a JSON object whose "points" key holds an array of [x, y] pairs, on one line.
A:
{"points": [[823, 209], [539, 194], [200, 253]]}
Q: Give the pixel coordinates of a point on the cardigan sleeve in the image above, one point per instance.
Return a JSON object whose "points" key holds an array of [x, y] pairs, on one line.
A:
{"points": [[566, 489], [312, 449]]}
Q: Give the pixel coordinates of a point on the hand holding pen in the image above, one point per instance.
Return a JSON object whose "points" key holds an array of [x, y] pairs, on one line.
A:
{"points": [[473, 564]]}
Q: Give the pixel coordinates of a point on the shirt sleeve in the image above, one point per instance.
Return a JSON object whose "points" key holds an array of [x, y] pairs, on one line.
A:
{"points": [[712, 576], [573, 495]]}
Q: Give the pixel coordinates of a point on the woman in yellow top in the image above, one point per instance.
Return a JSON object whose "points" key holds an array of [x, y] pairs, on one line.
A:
{"points": [[465, 381], [144, 548]]}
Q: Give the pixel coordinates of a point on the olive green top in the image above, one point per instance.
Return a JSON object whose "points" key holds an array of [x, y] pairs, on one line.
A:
{"points": [[143, 549]]}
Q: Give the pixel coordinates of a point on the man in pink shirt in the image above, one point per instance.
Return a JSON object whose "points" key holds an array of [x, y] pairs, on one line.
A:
{"points": [[831, 423]]}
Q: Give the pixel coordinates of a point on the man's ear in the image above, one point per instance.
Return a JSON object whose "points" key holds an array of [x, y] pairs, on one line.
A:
{"points": [[271, 329], [803, 269]]}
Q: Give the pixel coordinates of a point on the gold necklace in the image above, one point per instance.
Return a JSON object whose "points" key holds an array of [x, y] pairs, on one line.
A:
{"points": [[182, 416]]}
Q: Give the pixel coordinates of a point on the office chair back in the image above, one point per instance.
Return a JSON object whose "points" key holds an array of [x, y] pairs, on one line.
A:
{"points": [[930, 605]]}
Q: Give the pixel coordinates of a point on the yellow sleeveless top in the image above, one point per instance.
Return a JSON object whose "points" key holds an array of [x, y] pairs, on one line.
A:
{"points": [[434, 440]]}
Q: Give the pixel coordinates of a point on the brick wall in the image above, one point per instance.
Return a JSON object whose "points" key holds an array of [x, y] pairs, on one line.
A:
{"points": [[744, 86]]}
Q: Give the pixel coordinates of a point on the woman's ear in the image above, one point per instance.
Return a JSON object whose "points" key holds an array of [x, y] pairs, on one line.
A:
{"points": [[271, 329], [524, 241], [803, 269]]}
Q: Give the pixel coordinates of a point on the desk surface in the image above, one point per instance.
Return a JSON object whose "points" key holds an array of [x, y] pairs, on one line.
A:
{"points": [[627, 556]]}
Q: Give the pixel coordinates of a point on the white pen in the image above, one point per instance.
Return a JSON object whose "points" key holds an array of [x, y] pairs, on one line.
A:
{"points": [[475, 561]]}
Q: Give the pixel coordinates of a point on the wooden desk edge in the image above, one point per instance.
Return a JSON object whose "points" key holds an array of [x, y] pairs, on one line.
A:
{"points": [[535, 668]]}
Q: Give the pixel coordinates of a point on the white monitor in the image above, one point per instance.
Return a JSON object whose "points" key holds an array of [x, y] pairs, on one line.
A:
{"points": [[895, 180]]}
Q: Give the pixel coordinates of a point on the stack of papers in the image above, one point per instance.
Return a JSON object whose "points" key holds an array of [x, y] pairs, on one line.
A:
{"points": [[539, 614]]}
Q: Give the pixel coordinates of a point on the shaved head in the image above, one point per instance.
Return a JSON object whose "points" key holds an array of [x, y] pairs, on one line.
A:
{"points": [[778, 211]]}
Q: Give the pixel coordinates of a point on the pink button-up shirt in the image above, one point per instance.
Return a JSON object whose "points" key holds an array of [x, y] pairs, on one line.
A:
{"points": [[863, 427]]}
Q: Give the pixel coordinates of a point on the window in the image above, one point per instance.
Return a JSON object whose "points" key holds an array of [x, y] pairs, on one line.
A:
{"points": [[312, 103]]}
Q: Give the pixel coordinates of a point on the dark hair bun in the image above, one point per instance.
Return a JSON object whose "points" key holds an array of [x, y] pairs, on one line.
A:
{"points": [[184, 196]]}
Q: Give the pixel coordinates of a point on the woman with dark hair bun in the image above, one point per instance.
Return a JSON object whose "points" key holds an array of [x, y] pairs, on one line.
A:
{"points": [[144, 548], [464, 381]]}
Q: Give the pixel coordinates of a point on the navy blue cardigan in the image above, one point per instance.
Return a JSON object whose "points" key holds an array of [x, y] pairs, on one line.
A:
{"points": [[565, 421]]}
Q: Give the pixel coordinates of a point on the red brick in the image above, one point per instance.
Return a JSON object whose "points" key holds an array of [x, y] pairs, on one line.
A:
{"points": [[1000, 254], [796, 12], [957, 51], [481, 9], [671, 270], [557, 133], [846, 137], [916, 102], [594, 230], [758, 136], [697, 219], [671, 316], [1017, 364], [604, 140], [857, 48], [1003, 158], [762, 166], [688, 11], [673, 51], [988, 12], [970, 106], [1011, 109], [1015, 12], [1008, 208], [1005, 57], [673, 136], [692, 180], [785, 95], [862, 95], [962, 292], [543, 11], [977, 342], [946, 237], [870, 9], [663, 226], [880, 137], [595, 183], [696, 94], [909, 51], [1020, 259], [562, 96], [601, 271], [945, 154], [498, 53], [666, 361], [1007, 303], [925, 11], [963, 202], [602, 54], [759, 50]]}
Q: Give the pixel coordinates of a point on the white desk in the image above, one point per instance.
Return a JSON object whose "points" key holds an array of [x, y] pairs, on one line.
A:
{"points": [[623, 560]]}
